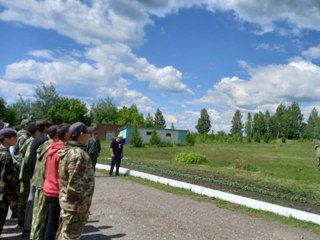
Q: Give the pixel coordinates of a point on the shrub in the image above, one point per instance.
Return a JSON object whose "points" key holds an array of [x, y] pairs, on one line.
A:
{"points": [[190, 139], [155, 140], [136, 140], [190, 158], [283, 139]]}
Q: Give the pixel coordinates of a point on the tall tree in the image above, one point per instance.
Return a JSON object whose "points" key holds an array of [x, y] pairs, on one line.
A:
{"points": [[159, 121], [259, 124], [236, 124], [279, 121], [105, 111], [130, 116], [3, 109], [46, 97], [248, 126], [312, 130], [23, 109], [204, 124], [149, 122], [295, 120], [69, 110]]}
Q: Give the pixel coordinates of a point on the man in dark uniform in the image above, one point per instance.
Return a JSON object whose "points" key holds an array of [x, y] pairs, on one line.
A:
{"points": [[8, 193], [116, 151], [94, 148]]}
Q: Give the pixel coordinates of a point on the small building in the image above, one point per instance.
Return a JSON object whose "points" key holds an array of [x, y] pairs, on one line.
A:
{"points": [[168, 135], [108, 131]]}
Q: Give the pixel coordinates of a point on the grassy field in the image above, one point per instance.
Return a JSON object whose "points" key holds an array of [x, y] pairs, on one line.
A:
{"points": [[291, 165]]}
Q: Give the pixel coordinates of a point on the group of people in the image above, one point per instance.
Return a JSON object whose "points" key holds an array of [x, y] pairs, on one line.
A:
{"points": [[47, 174]]}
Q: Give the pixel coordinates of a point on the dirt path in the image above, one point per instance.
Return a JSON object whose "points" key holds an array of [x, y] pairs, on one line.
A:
{"points": [[126, 210]]}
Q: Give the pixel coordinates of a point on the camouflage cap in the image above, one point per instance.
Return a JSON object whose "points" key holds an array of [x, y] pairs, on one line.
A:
{"points": [[24, 122], [7, 132]]}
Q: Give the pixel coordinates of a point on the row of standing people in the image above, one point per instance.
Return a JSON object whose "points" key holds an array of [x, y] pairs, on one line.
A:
{"points": [[56, 178]]}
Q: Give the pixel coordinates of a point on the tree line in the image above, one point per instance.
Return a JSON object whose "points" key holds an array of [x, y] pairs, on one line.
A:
{"points": [[48, 104], [287, 122]]}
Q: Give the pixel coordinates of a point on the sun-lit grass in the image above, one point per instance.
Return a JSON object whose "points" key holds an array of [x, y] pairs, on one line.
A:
{"points": [[289, 165]]}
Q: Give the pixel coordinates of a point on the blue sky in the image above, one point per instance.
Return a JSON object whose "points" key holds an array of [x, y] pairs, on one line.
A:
{"points": [[178, 56]]}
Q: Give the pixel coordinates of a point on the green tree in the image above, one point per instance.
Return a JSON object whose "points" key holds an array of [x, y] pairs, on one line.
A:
{"points": [[3, 109], [159, 121], [46, 98], [279, 121], [295, 120], [236, 124], [204, 123], [248, 126], [155, 139], [136, 140], [69, 110], [312, 130], [130, 116], [148, 122], [259, 124], [23, 109], [105, 111]]}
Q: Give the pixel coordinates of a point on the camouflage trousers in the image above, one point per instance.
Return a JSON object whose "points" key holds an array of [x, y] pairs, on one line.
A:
{"points": [[23, 199], [39, 216], [3, 213], [71, 225]]}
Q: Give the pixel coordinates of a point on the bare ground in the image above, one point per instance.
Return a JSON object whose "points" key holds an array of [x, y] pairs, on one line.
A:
{"points": [[127, 210]]}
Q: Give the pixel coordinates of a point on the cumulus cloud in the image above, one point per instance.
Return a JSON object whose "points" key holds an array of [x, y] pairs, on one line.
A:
{"points": [[296, 81], [312, 52]]}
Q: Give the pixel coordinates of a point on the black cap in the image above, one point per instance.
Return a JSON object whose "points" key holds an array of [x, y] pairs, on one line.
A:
{"points": [[79, 127], [7, 132], [32, 127]]}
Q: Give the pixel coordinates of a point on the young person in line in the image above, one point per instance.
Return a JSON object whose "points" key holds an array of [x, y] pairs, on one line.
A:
{"points": [[76, 183], [51, 186], [94, 148], [8, 193]]}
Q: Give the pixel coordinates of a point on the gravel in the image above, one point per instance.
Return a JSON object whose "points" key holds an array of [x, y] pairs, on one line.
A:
{"points": [[128, 210]]}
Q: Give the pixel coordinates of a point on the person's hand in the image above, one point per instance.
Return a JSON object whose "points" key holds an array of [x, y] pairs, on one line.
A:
{"points": [[82, 208]]}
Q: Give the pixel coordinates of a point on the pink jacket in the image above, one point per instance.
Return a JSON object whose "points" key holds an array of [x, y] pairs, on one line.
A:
{"points": [[51, 186]]}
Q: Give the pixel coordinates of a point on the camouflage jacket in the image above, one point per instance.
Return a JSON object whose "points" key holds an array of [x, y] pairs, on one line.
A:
{"points": [[40, 167], [24, 151], [76, 176], [7, 188]]}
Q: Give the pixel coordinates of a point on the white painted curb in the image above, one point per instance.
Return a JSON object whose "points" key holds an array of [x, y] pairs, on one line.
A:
{"points": [[248, 202]]}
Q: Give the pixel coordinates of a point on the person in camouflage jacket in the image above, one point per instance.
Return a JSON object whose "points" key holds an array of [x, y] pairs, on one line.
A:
{"points": [[8, 193], [24, 175], [39, 213], [76, 183]]}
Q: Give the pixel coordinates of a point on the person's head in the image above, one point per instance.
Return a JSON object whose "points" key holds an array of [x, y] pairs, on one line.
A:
{"points": [[52, 132], [32, 128], [63, 133], [24, 124], [80, 132], [8, 137], [43, 125], [119, 138], [94, 134]]}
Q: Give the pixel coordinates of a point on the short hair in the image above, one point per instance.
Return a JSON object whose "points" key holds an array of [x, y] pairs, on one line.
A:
{"points": [[42, 124], [63, 130]]}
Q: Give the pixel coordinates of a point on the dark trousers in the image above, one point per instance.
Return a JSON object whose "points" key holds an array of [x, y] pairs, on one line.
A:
{"points": [[94, 158], [3, 213], [53, 214], [115, 161]]}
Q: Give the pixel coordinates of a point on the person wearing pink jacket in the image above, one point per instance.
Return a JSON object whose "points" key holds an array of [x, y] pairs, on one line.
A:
{"points": [[51, 186]]}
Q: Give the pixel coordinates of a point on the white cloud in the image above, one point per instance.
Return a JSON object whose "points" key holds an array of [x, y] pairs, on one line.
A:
{"points": [[271, 47], [296, 81], [312, 52], [42, 53]]}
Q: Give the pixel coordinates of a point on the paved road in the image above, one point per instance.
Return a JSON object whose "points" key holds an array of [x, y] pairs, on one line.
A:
{"points": [[128, 211]]}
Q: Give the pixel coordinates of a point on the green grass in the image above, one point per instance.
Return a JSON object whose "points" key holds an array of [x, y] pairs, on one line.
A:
{"points": [[289, 165]]}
